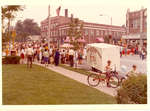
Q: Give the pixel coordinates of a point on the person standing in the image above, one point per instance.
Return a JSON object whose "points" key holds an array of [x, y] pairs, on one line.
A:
{"points": [[80, 57], [51, 56], [76, 59], [63, 56], [29, 56], [38, 54], [46, 57], [71, 56], [121, 49], [108, 70], [143, 54], [22, 55], [56, 59]]}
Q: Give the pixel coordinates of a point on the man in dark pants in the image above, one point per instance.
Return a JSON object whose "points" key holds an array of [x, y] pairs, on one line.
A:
{"points": [[57, 54], [29, 56], [71, 56]]}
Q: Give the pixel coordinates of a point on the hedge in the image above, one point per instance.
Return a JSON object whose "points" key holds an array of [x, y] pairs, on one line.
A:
{"points": [[11, 60], [133, 90]]}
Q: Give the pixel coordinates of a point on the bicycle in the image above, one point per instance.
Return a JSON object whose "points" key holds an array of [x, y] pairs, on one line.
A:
{"points": [[113, 79]]}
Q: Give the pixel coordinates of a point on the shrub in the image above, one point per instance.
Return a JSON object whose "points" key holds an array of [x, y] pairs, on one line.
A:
{"points": [[133, 90], [11, 60]]}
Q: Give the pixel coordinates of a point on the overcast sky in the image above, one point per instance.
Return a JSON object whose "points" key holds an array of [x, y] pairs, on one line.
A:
{"points": [[87, 10]]}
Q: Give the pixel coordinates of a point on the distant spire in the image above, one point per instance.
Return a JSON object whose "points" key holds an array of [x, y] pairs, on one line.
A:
{"points": [[49, 10]]}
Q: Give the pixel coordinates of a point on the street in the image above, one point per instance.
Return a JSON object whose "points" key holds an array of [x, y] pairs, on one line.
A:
{"points": [[135, 59], [127, 61]]}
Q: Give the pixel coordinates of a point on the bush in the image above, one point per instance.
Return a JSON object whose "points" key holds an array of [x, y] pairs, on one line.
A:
{"points": [[11, 60], [133, 90]]}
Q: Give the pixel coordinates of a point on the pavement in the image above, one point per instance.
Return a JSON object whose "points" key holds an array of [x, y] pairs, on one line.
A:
{"points": [[80, 78], [124, 60]]}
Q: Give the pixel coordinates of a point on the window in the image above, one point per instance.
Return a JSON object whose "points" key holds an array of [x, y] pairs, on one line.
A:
{"points": [[92, 32], [54, 33], [136, 23], [102, 33], [145, 23], [106, 32], [63, 32], [97, 32], [86, 32], [51, 34]]}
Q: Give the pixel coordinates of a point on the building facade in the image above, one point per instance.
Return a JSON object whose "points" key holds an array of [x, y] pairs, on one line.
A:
{"points": [[136, 24], [59, 26]]}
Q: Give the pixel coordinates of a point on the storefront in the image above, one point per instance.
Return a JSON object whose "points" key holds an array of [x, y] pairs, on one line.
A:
{"points": [[135, 38]]}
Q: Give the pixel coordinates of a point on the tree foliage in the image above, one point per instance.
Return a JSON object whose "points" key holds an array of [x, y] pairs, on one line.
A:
{"points": [[8, 14], [26, 28], [133, 90], [75, 31]]}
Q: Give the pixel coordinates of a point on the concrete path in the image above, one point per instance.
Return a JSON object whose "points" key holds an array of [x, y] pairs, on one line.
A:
{"points": [[80, 78]]}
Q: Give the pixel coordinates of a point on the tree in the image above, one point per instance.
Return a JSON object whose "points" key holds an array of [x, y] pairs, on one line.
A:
{"points": [[9, 13], [31, 27], [26, 28], [75, 32], [21, 36]]}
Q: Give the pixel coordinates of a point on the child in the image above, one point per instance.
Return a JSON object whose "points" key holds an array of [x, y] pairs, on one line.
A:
{"points": [[133, 72], [46, 56], [108, 70]]}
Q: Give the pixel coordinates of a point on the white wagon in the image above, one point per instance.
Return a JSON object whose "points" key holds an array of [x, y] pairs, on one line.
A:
{"points": [[99, 53]]}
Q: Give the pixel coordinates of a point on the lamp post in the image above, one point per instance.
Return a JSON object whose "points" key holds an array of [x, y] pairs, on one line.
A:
{"points": [[141, 28], [107, 16], [110, 17]]}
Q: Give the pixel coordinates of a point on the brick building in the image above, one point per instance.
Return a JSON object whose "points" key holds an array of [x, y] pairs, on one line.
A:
{"points": [[59, 26], [136, 24]]}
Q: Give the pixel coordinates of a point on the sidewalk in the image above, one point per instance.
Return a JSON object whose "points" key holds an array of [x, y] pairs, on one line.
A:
{"points": [[80, 78]]}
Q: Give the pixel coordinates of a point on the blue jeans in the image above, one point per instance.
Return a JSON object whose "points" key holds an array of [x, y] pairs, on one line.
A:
{"points": [[142, 57]]}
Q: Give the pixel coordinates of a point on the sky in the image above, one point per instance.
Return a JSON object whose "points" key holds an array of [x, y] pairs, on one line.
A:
{"points": [[87, 10]]}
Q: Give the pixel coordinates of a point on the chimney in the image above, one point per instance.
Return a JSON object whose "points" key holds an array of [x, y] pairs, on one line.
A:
{"points": [[66, 12]]}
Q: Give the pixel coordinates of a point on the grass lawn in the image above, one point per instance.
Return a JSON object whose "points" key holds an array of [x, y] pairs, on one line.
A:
{"points": [[37, 86]]}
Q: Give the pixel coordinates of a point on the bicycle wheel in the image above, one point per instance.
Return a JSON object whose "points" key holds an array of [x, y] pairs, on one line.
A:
{"points": [[113, 81], [93, 80]]}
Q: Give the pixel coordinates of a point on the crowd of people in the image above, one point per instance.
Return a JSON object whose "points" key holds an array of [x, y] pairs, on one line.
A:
{"points": [[133, 50], [41, 53]]}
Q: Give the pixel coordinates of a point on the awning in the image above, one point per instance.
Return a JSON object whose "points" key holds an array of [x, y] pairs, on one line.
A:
{"points": [[66, 45], [81, 40], [99, 39], [135, 36]]}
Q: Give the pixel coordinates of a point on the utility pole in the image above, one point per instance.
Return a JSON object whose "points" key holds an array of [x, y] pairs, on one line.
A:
{"points": [[49, 29], [141, 27], [110, 33]]}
